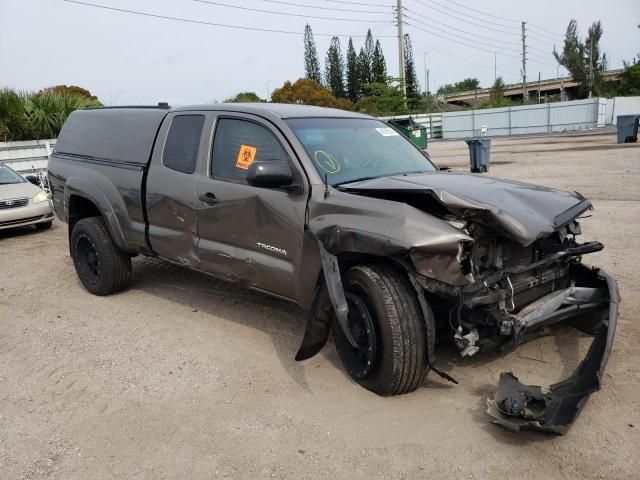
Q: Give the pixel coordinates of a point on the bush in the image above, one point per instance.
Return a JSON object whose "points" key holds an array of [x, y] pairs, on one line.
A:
{"points": [[32, 116]]}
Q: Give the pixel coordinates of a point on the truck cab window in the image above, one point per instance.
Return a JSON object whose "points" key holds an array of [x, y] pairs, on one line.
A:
{"points": [[181, 148], [237, 144]]}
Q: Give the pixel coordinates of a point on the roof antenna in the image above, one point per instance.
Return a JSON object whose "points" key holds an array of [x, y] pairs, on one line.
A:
{"points": [[326, 186]]}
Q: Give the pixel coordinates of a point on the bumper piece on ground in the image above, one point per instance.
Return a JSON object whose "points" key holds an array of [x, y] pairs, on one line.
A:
{"points": [[517, 406]]}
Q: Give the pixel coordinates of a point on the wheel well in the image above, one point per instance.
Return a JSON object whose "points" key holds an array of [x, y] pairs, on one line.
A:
{"points": [[347, 260], [79, 208]]}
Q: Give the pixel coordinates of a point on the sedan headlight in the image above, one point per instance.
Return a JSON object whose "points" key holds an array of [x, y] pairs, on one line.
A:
{"points": [[40, 197]]}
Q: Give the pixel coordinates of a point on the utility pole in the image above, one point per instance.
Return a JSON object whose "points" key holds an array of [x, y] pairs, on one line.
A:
{"points": [[590, 67], [495, 66], [426, 75], [539, 87], [525, 94], [401, 48]]}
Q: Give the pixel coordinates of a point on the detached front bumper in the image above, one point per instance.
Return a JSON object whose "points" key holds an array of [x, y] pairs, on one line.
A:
{"points": [[517, 406]]}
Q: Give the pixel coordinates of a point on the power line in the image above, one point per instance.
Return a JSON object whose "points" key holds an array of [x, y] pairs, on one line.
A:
{"points": [[244, 8], [538, 49], [465, 38], [360, 3], [484, 13], [541, 39], [546, 37], [536, 27], [454, 28], [211, 24], [466, 20], [539, 61], [458, 41], [466, 60], [325, 8]]}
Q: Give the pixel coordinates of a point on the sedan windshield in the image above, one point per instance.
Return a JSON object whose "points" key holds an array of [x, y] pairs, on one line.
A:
{"points": [[8, 176], [345, 150]]}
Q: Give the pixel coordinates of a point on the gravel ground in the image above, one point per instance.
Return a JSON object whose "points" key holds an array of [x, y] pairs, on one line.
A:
{"points": [[183, 376]]}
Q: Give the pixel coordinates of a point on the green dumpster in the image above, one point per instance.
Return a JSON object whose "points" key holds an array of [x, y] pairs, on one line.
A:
{"points": [[412, 130]]}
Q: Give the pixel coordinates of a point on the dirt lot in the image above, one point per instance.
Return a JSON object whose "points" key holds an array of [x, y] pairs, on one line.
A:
{"points": [[186, 377]]}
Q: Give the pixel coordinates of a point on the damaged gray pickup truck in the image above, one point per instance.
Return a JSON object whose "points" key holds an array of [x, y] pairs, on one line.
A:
{"points": [[341, 214]]}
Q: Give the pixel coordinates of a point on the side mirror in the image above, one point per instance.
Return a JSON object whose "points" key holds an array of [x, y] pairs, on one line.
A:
{"points": [[270, 174]]}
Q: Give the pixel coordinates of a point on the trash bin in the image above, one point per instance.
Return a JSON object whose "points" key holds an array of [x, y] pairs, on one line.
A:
{"points": [[412, 130], [627, 128], [479, 154]]}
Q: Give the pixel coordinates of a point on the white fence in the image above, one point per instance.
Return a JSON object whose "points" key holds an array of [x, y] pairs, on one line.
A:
{"points": [[526, 119], [621, 106], [26, 156]]}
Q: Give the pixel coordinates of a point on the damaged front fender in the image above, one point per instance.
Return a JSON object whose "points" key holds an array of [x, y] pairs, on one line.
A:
{"points": [[517, 406]]}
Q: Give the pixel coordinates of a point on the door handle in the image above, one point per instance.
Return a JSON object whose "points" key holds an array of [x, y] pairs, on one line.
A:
{"points": [[208, 198]]}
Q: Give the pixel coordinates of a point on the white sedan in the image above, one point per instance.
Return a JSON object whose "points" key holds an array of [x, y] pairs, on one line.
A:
{"points": [[22, 203]]}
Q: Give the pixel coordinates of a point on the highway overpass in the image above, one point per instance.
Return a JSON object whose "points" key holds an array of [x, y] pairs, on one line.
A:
{"points": [[550, 86]]}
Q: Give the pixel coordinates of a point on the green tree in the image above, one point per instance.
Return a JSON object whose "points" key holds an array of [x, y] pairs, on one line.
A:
{"points": [[14, 124], [410, 77], [463, 86], [353, 80], [496, 95], [383, 99], [308, 92], [334, 69], [628, 84], [368, 54], [364, 71], [378, 65], [72, 90], [29, 116], [245, 97], [311, 61], [583, 60]]}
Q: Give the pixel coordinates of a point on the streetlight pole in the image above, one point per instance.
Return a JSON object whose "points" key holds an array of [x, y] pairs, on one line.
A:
{"points": [[401, 48], [426, 75]]}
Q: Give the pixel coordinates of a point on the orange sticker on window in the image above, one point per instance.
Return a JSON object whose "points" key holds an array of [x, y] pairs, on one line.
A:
{"points": [[246, 156]]}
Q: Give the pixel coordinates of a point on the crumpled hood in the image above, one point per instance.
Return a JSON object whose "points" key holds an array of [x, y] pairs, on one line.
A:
{"points": [[520, 211]]}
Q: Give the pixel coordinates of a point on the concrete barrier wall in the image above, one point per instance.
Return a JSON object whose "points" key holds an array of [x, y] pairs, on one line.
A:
{"points": [[26, 156], [624, 106], [526, 119]]}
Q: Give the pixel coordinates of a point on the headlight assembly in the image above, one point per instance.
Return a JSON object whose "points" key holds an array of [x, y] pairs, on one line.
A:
{"points": [[40, 197]]}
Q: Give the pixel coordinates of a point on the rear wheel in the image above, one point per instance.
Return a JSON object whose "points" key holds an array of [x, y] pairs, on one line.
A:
{"points": [[102, 267], [386, 322]]}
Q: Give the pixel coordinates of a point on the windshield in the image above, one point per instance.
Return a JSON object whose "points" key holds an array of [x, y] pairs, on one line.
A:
{"points": [[351, 149], [8, 176]]}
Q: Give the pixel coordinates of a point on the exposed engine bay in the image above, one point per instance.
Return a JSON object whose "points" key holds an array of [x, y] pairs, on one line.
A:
{"points": [[512, 268]]}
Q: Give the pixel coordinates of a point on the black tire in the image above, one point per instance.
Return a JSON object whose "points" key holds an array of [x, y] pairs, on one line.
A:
{"points": [[102, 267], [398, 360], [43, 226]]}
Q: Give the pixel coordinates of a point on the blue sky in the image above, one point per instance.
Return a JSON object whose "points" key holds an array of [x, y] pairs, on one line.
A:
{"points": [[132, 59]]}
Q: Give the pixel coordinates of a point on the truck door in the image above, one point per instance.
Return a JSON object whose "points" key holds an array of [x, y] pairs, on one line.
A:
{"points": [[249, 234], [171, 187]]}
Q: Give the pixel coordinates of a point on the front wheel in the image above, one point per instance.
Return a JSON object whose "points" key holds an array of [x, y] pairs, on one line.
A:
{"points": [[102, 267], [386, 322]]}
